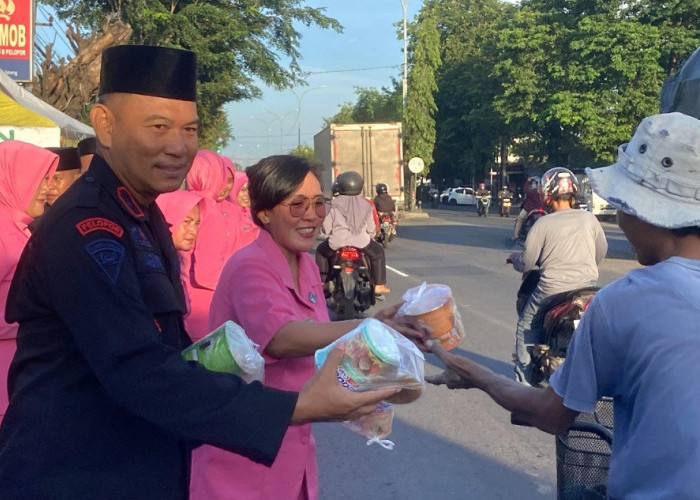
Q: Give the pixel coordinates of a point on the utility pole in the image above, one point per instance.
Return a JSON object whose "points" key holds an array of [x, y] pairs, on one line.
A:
{"points": [[404, 6]]}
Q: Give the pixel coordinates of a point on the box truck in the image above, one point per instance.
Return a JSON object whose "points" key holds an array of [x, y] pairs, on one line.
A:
{"points": [[375, 150]]}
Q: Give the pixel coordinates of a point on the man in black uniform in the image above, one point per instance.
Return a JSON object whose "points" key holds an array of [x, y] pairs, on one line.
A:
{"points": [[102, 405]]}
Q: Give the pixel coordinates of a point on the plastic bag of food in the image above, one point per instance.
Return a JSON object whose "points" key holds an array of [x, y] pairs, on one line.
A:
{"points": [[228, 349], [433, 307], [375, 426], [375, 356]]}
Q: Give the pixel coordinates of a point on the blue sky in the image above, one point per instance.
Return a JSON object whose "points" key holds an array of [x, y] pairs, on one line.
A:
{"points": [[369, 40]]}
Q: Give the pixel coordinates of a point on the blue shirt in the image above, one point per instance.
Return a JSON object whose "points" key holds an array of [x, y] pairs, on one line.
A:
{"points": [[639, 342]]}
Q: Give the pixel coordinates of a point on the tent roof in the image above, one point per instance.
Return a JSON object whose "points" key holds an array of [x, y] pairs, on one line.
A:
{"points": [[13, 114], [70, 127]]}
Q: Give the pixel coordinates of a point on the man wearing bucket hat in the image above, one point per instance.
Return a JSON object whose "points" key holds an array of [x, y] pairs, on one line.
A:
{"points": [[638, 341], [102, 404]]}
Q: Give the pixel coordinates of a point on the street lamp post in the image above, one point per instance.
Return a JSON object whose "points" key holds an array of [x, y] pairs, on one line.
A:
{"points": [[281, 120], [299, 98], [267, 137]]}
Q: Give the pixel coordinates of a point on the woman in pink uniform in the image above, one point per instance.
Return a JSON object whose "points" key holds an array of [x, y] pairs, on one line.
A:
{"points": [[24, 173], [247, 230], [226, 202], [183, 210], [272, 288], [207, 178]]}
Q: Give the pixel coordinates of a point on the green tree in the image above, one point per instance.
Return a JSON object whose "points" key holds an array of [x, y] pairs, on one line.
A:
{"points": [[469, 132], [235, 41], [577, 76], [303, 151], [372, 105], [420, 107]]}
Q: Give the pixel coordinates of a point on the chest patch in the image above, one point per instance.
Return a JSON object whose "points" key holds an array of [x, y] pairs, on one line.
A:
{"points": [[151, 261], [139, 237], [87, 226], [108, 255]]}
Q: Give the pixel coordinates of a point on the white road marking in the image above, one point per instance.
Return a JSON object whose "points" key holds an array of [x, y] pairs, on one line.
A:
{"points": [[397, 271]]}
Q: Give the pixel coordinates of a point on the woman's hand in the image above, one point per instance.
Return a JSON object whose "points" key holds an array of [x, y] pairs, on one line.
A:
{"points": [[407, 326]]}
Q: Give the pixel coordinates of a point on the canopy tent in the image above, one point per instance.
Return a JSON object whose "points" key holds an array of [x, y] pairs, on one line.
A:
{"points": [[25, 117]]}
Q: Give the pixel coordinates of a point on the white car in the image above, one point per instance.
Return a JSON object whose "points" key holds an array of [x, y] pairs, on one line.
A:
{"points": [[461, 196]]}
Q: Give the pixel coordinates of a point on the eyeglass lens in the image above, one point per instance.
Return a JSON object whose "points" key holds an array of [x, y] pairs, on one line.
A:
{"points": [[299, 206]]}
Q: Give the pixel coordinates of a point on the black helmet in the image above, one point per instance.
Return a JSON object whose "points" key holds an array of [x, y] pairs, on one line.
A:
{"points": [[382, 188], [349, 183], [681, 92]]}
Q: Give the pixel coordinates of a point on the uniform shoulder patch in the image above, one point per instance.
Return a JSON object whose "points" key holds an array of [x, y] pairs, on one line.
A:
{"points": [[108, 254], [87, 226]]}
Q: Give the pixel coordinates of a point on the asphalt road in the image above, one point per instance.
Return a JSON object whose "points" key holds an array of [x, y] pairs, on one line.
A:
{"points": [[455, 444]]}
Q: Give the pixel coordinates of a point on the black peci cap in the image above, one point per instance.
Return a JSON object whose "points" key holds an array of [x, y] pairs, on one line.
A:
{"points": [[149, 70], [68, 158], [87, 146]]}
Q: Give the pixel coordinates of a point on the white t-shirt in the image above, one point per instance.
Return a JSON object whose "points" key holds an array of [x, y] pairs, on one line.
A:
{"points": [[639, 342]]}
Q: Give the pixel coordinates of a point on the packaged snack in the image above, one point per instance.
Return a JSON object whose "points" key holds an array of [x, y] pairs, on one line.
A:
{"points": [[376, 356], [375, 426], [432, 305], [228, 349]]}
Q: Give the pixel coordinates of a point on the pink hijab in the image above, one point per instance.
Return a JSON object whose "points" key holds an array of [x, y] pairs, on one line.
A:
{"points": [[22, 168], [175, 207], [207, 178], [247, 230]]}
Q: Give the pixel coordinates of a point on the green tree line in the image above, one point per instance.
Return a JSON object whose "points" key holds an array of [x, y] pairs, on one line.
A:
{"points": [[553, 82]]}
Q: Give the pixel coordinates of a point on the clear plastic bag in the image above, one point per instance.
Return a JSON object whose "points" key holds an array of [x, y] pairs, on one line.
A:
{"points": [[375, 356], [433, 307], [228, 349], [375, 426]]}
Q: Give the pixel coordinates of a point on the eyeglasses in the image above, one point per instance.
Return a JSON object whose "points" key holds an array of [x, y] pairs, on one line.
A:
{"points": [[300, 204]]}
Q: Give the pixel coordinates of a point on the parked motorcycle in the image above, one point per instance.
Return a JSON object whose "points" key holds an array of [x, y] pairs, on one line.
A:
{"points": [[387, 228], [482, 205], [560, 321], [349, 289]]}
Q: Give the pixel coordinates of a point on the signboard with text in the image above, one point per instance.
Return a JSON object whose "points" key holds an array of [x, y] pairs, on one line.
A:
{"points": [[16, 39]]}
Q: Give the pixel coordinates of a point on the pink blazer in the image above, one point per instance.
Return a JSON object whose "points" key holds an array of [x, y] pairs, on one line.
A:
{"points": [[257, 292]]}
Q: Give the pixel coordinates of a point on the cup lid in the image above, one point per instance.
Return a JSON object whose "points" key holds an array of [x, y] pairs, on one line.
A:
{"points": [[382, 344]]}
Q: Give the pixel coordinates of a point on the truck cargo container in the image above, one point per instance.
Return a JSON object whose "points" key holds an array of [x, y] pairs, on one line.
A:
{"points": [[375, 150]]}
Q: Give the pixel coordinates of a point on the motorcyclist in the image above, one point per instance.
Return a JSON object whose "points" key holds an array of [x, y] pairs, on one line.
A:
{"points": [[481, 192], [567, 246], [532, 201], [350, 223], [385, 204], [505, 194]]}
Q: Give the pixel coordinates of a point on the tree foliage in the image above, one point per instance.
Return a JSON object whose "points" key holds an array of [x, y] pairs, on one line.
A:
{"points": [[372, 105], [420, 108], [236, 41], [304, 151]]}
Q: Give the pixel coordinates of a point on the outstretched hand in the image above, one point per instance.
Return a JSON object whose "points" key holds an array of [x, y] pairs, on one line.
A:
{"points": [[323, 399], [459, 372], [407, 326]]}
